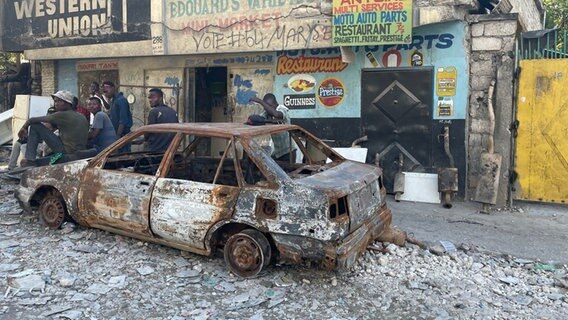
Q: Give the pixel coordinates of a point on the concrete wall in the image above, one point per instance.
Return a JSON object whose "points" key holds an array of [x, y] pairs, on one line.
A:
{"points": [[48, 77], [492, 57], [66, 76], [530, 15]]}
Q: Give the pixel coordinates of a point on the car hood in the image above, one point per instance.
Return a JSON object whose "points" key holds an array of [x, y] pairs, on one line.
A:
{"points": [[345, 178]]}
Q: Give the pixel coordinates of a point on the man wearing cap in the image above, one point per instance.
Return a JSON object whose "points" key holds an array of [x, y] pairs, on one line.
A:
{"points": [[102, 132], [120, 114], [73, 130], [160, 113]]}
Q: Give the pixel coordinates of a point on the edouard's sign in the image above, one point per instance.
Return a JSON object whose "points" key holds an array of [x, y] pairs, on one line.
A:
{"points": [[371, 22], [34, 24]]}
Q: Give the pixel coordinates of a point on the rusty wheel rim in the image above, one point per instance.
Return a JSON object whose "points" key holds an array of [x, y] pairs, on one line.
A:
{"points": [[244, 255], [52, 212]]}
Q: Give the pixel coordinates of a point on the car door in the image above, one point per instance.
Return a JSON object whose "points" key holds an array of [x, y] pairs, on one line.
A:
{"points": [[187, 203], [113, 195]]}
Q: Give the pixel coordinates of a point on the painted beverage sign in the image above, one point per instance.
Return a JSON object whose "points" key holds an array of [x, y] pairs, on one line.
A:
{"points": [[331, 92], [371, 22]]}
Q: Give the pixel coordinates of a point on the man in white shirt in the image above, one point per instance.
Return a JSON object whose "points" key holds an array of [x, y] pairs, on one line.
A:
{"points": [[284, 149]]}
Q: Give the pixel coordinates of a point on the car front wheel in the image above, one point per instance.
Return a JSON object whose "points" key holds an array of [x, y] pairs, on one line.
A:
{"points": [[247, 252], [52, 210]]}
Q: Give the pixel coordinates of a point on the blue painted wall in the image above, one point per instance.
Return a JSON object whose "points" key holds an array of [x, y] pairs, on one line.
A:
{"points": [[67, 76], [441, 45]]}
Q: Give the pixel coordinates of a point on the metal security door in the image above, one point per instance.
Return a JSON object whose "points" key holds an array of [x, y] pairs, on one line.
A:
{"points": [[542, 146], [396, 116]]}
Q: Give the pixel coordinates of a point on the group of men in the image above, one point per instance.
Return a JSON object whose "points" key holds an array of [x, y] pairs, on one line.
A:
{"points": [[67, 129]]}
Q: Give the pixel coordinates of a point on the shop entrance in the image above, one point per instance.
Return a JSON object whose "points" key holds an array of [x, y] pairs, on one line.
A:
{"points": [[207, 88], [85, 78], [396, 116]]}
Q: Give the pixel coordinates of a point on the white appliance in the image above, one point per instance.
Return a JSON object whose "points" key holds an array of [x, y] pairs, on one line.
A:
{"points": [[28, 107]]}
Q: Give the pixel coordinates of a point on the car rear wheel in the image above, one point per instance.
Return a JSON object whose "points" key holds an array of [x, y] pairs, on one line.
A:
{"points": [[52, 210], [247, 252]]}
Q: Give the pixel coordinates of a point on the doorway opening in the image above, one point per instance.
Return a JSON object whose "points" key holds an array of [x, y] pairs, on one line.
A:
{"points": [[211, 94]]}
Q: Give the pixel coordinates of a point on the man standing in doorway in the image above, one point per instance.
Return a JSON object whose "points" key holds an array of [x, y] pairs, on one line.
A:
{"points": [[283, 151], [102, 133], [160, 113], [95, 91], [120, 114], [73, 130]]}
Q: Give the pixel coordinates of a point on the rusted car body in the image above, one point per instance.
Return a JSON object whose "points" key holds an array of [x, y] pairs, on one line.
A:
{"points": [[218, 187]]}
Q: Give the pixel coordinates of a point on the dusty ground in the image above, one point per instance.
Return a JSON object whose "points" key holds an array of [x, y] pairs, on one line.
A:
{"points": [[530, 230], [78, 273]]}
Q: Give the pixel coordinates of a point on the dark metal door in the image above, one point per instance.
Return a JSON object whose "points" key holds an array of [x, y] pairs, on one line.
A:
{"points": [[396, 107]]}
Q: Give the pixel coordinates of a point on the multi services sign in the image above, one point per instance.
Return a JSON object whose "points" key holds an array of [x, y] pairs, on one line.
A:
{"points": [[371, 22]]}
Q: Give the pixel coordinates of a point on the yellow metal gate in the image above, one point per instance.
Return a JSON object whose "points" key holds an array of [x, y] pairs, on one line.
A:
{"points": [[542, 142]]}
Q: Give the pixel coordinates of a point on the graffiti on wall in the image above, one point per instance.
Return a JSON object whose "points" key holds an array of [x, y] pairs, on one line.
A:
{"points": [[238, 26]]}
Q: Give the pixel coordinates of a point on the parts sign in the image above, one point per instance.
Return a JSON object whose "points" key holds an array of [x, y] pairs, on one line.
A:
{"points": [[371, 22]]}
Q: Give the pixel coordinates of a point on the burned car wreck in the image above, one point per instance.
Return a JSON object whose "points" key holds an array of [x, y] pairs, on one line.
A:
{"points": [[218, 188]]}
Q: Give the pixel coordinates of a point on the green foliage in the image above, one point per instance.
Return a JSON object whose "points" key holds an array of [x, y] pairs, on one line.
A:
{"points": [[7, 60], [556, 14]]}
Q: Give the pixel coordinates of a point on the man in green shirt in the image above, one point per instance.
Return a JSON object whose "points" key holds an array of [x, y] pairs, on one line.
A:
{"points": [[73, 130]]}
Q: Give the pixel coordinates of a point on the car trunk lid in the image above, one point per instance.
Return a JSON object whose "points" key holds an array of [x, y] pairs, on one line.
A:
{"points": [[358, 182]]}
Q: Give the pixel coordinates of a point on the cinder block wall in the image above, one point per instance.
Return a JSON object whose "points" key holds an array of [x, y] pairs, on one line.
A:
{"points": [[492, 57], [48, 77]]}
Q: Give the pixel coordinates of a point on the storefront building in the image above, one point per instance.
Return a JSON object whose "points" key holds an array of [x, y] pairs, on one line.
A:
{"points": [[211, 57]]}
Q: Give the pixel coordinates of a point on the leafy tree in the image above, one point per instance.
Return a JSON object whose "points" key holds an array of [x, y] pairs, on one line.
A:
{"points": [[556, 14]]}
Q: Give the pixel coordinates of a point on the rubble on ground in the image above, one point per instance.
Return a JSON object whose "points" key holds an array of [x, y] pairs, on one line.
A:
{"points": [[79, 273]]}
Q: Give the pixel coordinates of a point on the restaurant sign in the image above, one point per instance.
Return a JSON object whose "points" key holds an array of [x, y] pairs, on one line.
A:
{"points": [[371, 22]]}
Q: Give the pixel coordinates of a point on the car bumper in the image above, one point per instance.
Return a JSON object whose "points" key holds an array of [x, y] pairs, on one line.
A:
{"points": [[23, 195], [334, 255]]}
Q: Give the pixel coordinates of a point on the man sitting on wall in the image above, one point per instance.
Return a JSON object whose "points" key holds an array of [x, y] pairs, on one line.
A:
{"points": [[160, 113], [73, 130], [102, 133]]}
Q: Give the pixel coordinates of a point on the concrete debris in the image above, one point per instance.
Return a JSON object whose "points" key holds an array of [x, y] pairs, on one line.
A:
{"points": [[98, 288], [408, 282], [8, 244], [145, 270], [7, 267], [34, 301], [83, 297], [448, 246], [117, 282], [523, 300], [66, 282], [86, 249], [27, 283], [9, 222], [510, 280], [437, 249], [71, 315], [190, 273]]}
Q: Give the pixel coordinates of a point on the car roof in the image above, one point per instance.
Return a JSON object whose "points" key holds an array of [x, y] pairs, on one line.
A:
{"points": [[219, 129]]}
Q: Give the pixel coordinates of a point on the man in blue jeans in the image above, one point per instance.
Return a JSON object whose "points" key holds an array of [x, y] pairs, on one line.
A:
{"points": [[120, 114]]}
